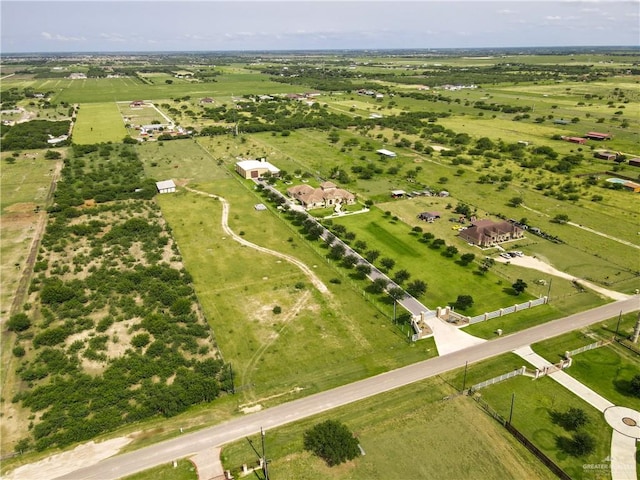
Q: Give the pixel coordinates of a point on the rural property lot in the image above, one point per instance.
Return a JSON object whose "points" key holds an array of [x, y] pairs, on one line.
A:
{"points": [[190, 301]]}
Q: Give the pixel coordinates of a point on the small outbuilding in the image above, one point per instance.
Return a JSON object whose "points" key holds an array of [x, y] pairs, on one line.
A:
{"points": [[598, 136], [387, 153], [429, 217], [166, 186], [398, 193]]}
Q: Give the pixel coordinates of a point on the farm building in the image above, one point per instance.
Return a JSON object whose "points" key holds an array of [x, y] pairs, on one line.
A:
{"points": [[326, 196], [256, 168], [429, 217], [634, 162], [386, 153], [487, 233], [206, 100], [579, 140], [598, 136], [398, 193], [605, 155], [136, 103], [166, 186]]}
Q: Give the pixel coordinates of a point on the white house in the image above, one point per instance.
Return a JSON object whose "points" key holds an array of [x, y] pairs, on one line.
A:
{"points": [[166, 186]]}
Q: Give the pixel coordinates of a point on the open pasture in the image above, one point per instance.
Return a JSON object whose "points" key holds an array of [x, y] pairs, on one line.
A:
{"points": [[98, 123]]}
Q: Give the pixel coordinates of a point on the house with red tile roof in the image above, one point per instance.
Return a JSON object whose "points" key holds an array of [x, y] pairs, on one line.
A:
{"points": [[487, 233], [327, 195]]}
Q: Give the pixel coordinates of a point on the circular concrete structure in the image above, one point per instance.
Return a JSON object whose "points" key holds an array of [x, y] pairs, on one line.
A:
{"points": [[624, 420]]}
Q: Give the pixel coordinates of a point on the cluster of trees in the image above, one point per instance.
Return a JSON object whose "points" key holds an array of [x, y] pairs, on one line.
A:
{"points": [[580, 443], [102, 172], [126, 295], [33, 134]]}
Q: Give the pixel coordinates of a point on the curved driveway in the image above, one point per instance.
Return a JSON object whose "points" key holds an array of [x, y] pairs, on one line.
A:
{"points": [[237, 428]]}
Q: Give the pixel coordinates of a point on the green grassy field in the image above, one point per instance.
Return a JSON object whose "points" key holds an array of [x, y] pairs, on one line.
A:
{"points": [[534, 402], [355, 339], [97, 123], [407, 433], [608, 369], [185, 470]]}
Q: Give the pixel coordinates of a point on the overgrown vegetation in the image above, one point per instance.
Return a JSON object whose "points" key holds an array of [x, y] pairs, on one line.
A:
{"points": [[115, 335]]}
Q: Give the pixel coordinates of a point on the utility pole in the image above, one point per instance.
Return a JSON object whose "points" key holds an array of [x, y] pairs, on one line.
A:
{"points": [[265, 469], [549, 292]]}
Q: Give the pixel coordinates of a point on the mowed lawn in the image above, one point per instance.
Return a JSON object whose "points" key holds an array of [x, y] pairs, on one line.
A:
{"points": [[534, 402], [97, 123], [409, 433], [445, 278]]}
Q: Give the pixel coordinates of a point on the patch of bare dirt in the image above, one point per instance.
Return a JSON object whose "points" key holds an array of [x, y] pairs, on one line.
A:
{"points": [[66, 462]]}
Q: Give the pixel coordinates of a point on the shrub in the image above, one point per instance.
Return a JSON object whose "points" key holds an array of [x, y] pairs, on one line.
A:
{"points": [[19, 322], [277, 310]]}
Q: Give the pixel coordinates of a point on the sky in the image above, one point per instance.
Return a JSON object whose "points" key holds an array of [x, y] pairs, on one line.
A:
{"points": [[213, 25]]}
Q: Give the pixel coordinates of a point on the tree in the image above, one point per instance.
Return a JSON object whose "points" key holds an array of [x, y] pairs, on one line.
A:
{"points": [[573, 419], [19, 322], [520, 286], [561, 218], [337, 251], [378, 285], [401, 276], [388, 263], [349, 261], [579, 445], [467, 258], [516, 202], [450, 251], [362, 270], [463, 302], [396, 293], [417, 288], [372, 255], [52, 155], [332, 441]]}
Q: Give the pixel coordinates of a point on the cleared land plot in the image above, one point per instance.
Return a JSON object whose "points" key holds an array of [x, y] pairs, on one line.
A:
{"points": [[326, 342], [98, 123], [144, 115], [407, 433], [25, 185]]}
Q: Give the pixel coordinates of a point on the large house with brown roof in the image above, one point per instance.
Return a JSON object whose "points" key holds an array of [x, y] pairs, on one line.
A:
{"points": [[487, 233], [327, 195]]}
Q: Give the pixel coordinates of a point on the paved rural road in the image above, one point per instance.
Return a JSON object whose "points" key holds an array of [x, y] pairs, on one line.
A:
{"points": [[237, 428]]}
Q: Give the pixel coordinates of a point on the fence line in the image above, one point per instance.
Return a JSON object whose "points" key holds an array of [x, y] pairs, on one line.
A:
{"points": [[505, 311], [586, 348], [551, 465], [499, 378]]}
